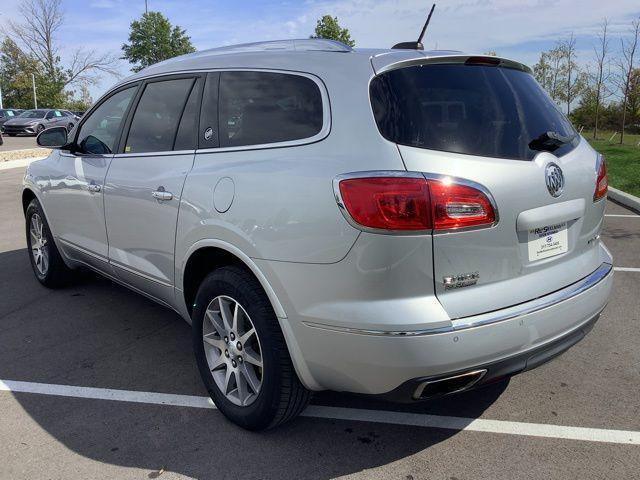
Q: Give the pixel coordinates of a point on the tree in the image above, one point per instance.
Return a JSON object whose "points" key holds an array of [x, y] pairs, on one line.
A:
{"points": [[16, 68], [82, 102], [549, 72], [573, 80], [37, 35], [328, 27], [626, 65], [153, 39], [633, 100], [600, 78]]}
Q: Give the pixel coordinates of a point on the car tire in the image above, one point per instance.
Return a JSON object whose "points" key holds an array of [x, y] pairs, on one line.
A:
{"points": [[39, 129], [70, 127], [280, 395], [46, 261]]}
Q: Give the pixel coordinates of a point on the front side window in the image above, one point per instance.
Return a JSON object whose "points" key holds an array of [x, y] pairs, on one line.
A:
{"points": [[155, 122], [259, 108], [472, 109], [99, 133]]}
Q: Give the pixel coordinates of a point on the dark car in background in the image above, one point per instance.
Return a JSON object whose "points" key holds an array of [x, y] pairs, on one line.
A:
{"points": [[8, 114], [32, 122]]}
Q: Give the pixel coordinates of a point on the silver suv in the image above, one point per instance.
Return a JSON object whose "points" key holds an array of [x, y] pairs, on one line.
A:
{"points": [[391, 222]]}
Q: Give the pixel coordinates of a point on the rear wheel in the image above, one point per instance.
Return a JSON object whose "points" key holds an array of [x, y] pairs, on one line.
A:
{"points": [[47, 264], [241, 352]]}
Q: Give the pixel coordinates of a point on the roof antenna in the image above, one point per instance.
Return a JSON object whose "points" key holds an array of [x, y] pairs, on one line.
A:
{"points": [[416, 45]]}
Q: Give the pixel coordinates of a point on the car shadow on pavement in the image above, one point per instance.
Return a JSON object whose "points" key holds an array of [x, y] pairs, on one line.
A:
{"points": [[97, 334]]}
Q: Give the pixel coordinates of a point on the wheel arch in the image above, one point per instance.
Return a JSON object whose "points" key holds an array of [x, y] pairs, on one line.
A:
{"points": [[206, 255], [28, 196]]}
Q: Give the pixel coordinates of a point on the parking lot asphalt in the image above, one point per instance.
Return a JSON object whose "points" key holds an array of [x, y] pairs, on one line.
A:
{"points": [[98, 334], [17, 143]]}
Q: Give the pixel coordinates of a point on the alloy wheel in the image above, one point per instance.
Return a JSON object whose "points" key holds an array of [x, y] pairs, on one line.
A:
{"points": [[39, 247], [233, 351]]}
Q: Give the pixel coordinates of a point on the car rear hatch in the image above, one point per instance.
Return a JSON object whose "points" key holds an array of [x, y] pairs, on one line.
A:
{"points": [[486, 122]]}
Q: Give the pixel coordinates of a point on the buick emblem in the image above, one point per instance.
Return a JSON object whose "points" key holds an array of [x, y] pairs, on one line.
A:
{"points": [[554, 179]]}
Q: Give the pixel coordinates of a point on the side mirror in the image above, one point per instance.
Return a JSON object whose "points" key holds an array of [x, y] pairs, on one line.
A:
{"points": [[54, 137]]}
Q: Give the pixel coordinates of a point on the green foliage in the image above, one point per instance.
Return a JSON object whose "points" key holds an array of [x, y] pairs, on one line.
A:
{"points": [[16, 68], [153, 39], [329, 28], [81, 100], [623, 161]]}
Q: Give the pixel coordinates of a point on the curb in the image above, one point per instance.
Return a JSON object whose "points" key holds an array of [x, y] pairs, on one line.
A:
{"points": [[625, 199], [22, 162]]}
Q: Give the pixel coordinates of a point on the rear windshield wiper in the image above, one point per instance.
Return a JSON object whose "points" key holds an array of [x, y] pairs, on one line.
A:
{"points": [[550, 141]]}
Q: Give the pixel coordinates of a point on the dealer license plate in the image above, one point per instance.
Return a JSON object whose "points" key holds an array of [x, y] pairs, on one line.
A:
{"points": [[545, 242]]}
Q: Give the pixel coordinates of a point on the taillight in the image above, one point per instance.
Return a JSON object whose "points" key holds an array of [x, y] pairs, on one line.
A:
{"points": [[388, 203], [459, 206], [413, 203], [602, 183]]}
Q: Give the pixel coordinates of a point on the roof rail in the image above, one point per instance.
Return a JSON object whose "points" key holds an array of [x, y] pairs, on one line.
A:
{"points": [[305, 44]]}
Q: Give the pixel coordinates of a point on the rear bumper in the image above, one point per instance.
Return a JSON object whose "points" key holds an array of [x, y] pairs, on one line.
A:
{"points": [[415, 389], [503, 342]]}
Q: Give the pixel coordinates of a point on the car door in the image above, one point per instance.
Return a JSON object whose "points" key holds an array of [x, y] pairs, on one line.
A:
{"points": [[145, 180], [75, 193]]}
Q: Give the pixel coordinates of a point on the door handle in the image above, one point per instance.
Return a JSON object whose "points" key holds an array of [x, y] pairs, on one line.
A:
{"points": [[94, 188], [161, 195]]}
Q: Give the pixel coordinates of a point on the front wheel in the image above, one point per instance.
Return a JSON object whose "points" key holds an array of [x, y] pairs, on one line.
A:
{"points": [[46, 262], [241, 352]]}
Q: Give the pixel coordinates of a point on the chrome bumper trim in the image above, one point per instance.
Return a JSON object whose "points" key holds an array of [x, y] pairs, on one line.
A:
{"points": [[540, 303]]}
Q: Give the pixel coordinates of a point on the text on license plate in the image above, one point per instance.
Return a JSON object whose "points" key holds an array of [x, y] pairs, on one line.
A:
{"points": [[545, 242]]}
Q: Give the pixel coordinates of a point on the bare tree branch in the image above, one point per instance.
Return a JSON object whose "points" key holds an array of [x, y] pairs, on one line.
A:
{"points": [[603, 72], [37, 34], [626, 64]]}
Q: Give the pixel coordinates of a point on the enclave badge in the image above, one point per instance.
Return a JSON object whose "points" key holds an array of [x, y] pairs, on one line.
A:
{"points": [[554, 179]]}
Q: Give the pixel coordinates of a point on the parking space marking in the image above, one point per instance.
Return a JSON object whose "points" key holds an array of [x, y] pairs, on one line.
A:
{"points": [[621, 215], [626, 269], [626, 437]]}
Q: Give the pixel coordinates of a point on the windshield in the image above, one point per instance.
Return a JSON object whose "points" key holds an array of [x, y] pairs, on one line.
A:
{"points": [[471, 109], [33, 114]]}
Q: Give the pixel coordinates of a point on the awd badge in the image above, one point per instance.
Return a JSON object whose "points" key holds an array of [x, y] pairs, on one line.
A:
{"points": [[461, 280]]}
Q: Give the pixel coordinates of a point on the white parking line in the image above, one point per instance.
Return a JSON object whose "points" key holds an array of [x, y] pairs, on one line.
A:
{"points": [[626, 269], [621, 215], [338, 413]]}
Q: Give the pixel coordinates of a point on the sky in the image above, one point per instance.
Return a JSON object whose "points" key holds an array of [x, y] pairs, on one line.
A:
{"points": [[518, 29]]}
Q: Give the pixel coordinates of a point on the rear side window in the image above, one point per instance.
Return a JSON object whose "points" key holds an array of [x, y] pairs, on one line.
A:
{"points": [[257, 108], [155, 121], [471, 109]]}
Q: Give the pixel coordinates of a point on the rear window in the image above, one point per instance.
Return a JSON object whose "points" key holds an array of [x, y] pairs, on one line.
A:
{"points": [[471, 109], [258, 108]]}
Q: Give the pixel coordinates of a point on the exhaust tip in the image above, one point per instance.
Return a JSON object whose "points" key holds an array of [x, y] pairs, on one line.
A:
{"points": [[448, 385]]}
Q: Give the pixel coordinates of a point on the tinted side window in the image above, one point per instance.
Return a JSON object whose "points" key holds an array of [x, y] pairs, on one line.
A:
{"points": [[99, 132], [155, 122], [262, 107], [187, 130]]}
